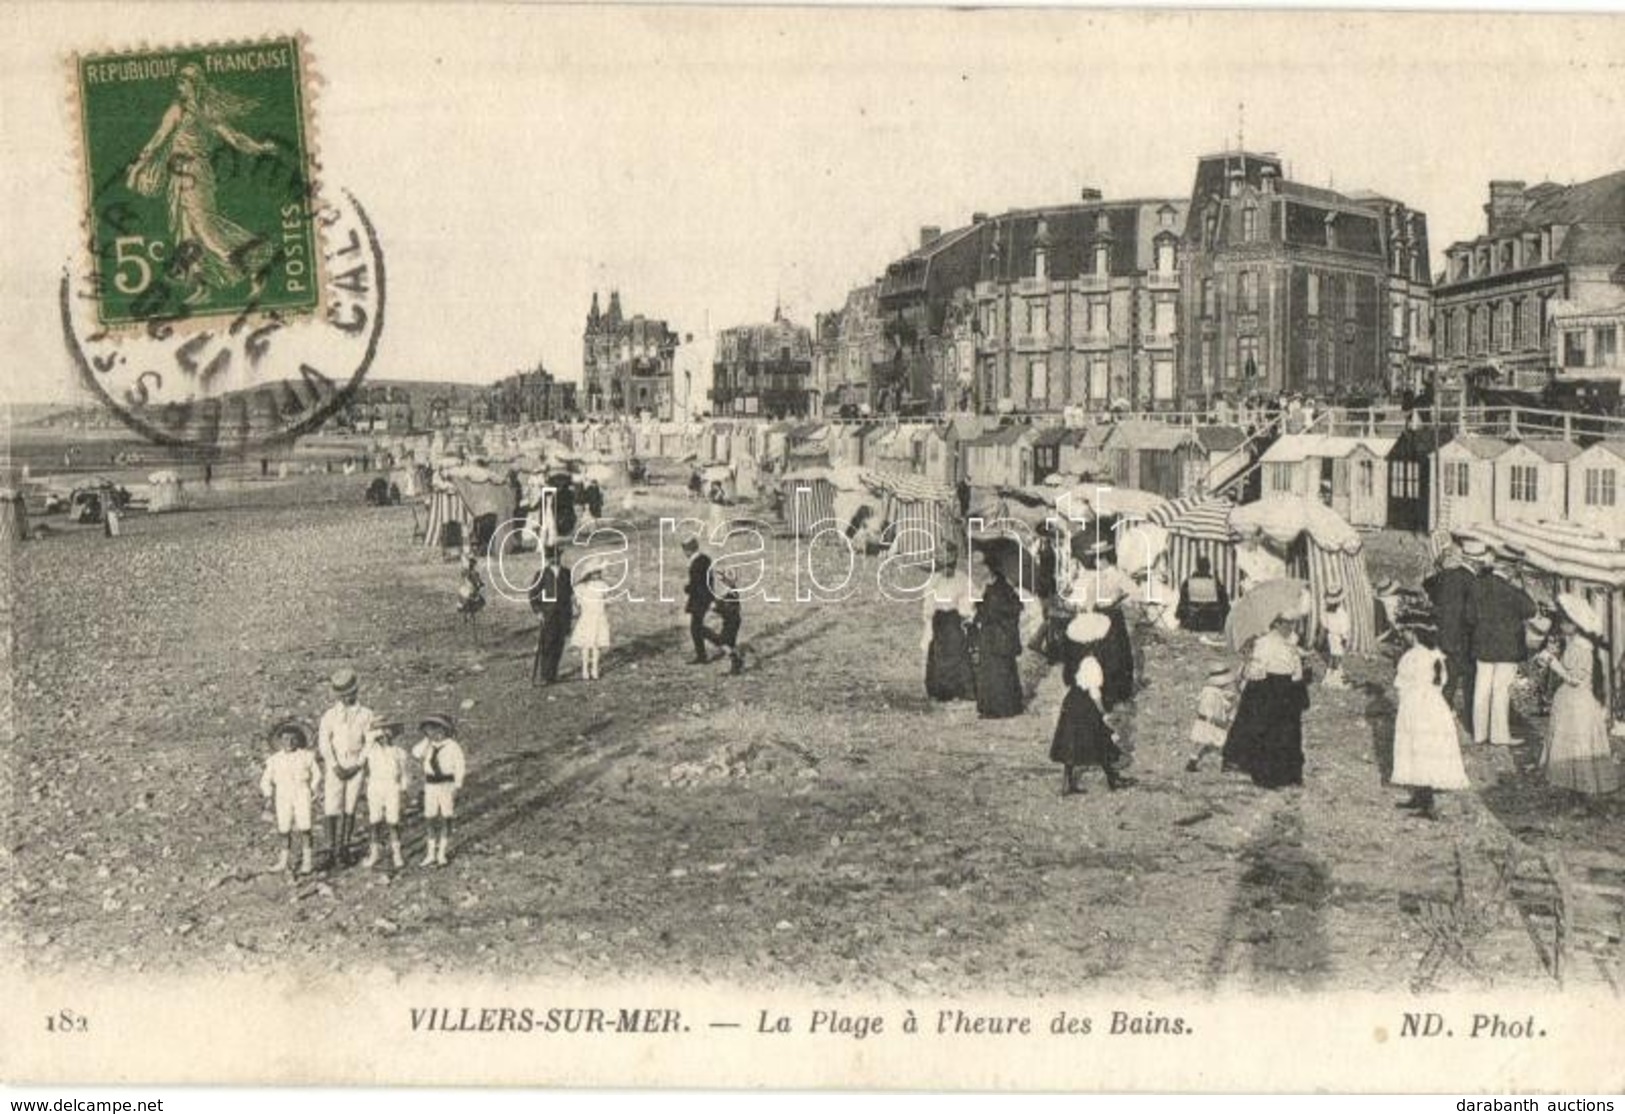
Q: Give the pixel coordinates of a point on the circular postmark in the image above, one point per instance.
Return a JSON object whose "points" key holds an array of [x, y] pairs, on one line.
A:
{"points": [[225, 384]]}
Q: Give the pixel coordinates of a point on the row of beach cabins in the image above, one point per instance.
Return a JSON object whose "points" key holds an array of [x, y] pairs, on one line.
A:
{"points": [[1469, 467]]}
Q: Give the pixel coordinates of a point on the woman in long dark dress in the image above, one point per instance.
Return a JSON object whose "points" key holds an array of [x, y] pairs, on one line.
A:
{"points": [[1082, 735], [1266, 737], [949, 674], [1101, 586], [998, 646]]}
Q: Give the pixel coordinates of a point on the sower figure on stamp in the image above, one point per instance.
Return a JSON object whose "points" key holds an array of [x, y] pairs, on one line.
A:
{"points": [[700, 598], [179, 158], [552, 598], [340, 738]]}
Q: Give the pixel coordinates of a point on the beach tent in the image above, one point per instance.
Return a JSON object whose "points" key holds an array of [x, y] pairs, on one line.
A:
{"points": [[165, 492], [919, 514], [13, 517], [1324, 550], [809, 499], [1594, 488], [446, 507], [1464, 487], [1198, 526], [1532, 480]]}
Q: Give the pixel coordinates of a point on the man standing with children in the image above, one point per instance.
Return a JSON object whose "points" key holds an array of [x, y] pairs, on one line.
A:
{"points": [[358, 751]]}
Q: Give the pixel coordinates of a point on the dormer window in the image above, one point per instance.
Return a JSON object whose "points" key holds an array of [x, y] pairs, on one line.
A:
{"points": [[1102, 260], [1165, 216], [1508, 256], [1249, 224], [1040, 263], [1331, 230], [1102, 222], [1165, 256]]}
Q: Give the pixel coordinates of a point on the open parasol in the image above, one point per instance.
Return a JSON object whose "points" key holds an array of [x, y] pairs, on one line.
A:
{"points": [[1252, 615]]}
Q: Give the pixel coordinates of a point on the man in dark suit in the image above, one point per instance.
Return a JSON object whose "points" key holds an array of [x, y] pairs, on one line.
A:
{"points": [[1501, 608], [552, 598], [700, 598], [1452, 590]]}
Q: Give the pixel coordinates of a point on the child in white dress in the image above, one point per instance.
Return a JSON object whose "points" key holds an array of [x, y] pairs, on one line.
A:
{"points": [[1427, 742], [1338, 630], [591, 634], [290, 781], [1215, 708]]}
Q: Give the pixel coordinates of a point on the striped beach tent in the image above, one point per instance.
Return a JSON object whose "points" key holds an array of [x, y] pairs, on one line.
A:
{"points": [[1324, 550], [809, 500], [1198, 526], [446, 505], [919, 513]]}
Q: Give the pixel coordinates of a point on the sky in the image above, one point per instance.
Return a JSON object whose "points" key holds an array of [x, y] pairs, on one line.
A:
{"points": [[711, 163]]}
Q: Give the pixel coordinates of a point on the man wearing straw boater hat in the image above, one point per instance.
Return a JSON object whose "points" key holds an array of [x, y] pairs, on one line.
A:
{"points": [[340, 737], [1500, 610], [1451, 590]]}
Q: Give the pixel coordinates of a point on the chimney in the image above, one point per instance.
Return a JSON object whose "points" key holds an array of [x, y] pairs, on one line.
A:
{"points": [[929, 234], [1507, 207], [1089, 193], [978, 218]]}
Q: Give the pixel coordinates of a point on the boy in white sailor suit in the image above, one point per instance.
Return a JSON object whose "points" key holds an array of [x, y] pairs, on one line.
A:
{"points": [[386, 763], [441, 758], [290, 781]]}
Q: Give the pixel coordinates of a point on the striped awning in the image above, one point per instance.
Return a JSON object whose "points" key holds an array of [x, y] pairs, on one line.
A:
{"points": [[1194, 516], [1561, 549]]}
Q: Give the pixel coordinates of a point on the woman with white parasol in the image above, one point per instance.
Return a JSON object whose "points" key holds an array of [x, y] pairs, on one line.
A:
{"points": [[1576, 756]]}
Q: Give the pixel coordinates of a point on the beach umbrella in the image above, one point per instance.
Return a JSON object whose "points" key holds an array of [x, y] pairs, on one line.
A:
{"points": [[1252, 615], [1205, 518]]}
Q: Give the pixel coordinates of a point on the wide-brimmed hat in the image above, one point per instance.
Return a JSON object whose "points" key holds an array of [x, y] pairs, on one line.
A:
{"points": [[1334, 594], [1541, 624], [690, 545], [343, 681], [1220, 674], [392, 724], [1091, 626], [440, 720], [1386, 586], [1579, 612], [1474, 549], [284, 726]]}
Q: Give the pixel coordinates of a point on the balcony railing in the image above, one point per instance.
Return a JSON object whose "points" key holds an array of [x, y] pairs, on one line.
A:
{"points": [[1163, 280]]}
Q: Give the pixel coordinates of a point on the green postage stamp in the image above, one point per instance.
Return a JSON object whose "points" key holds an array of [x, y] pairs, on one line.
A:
{"points": [[198, 181]]}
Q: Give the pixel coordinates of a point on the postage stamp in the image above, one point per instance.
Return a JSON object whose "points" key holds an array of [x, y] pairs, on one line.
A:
{"points": [[226, 303], [197, 166]]}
